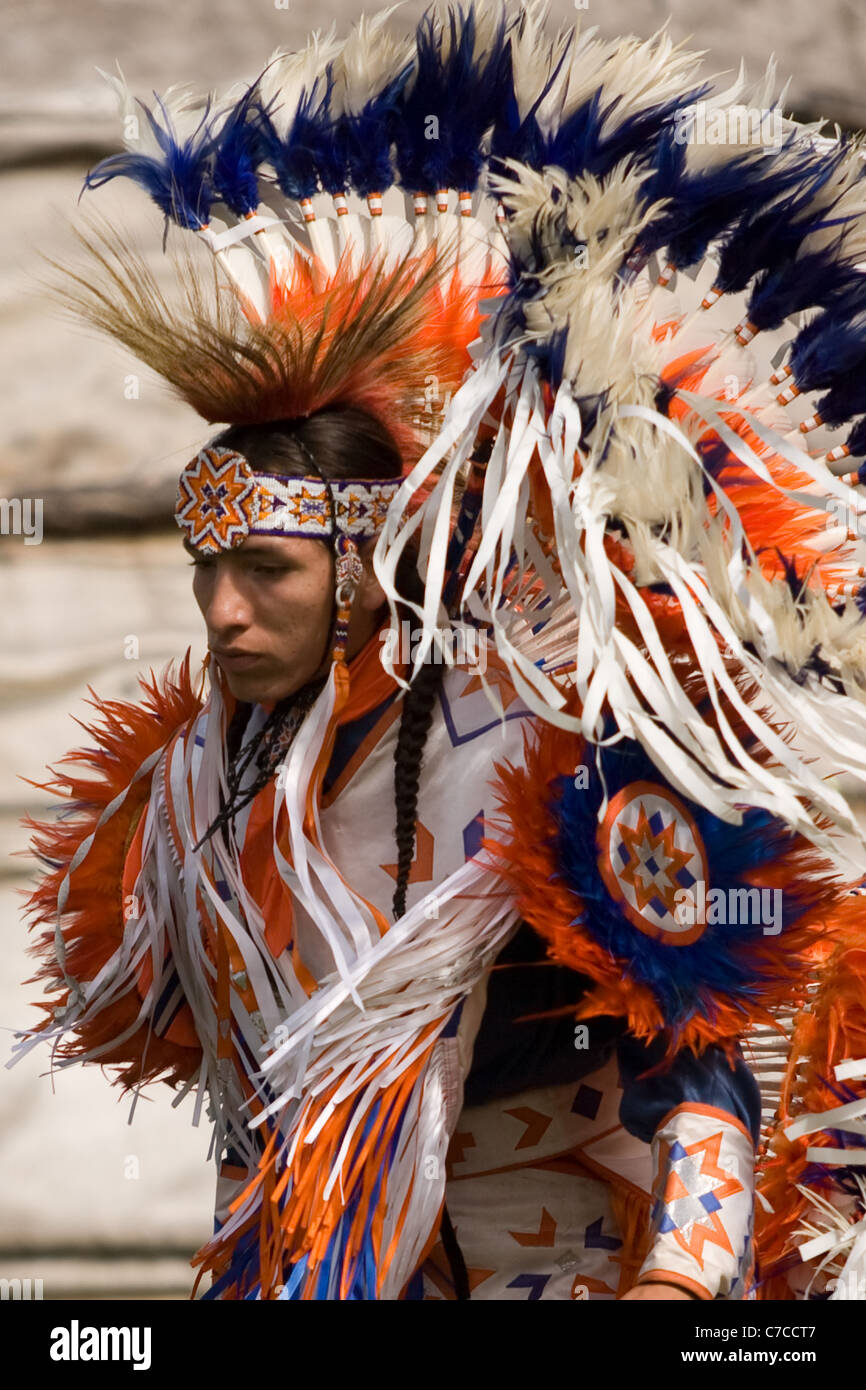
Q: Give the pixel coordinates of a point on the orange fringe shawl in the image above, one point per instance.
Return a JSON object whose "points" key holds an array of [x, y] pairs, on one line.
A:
{"points": [[94, 912]]}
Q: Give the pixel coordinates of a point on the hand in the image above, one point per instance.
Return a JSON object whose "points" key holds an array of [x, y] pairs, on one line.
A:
{"points": [[656, 1291]]}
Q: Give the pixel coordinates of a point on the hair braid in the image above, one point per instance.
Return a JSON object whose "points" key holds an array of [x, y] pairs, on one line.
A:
{"points": [[415, 721]]}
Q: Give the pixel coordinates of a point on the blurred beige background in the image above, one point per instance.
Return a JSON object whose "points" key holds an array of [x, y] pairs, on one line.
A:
{"points": [[88, 1204]]}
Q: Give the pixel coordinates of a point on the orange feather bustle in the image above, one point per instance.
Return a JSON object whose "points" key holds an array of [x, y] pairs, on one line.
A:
{"points": [[94, 913], [829, 1030]]}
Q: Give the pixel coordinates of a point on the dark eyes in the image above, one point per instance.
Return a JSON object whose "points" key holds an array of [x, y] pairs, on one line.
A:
{"points": [[254, 569]]}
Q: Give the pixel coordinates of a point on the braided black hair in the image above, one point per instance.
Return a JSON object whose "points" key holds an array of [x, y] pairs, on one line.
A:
{"points": [[415, 720]]}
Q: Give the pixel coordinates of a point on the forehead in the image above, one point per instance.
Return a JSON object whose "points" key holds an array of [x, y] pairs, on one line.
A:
{"points": [[302, 549]]}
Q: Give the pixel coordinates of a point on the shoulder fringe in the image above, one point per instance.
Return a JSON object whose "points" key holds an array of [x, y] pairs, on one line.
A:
{"points": [[80, 896]]}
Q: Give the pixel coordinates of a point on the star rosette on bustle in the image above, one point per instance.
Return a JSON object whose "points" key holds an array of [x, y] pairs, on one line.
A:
{"points": [[650, 850], [632, 915]]}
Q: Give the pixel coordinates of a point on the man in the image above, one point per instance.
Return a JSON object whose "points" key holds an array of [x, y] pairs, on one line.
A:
{"points": [[267, 605], [460, 969]]}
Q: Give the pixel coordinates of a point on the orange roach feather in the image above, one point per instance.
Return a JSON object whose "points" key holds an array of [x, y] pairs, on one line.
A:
{"points": [[378, 337]]}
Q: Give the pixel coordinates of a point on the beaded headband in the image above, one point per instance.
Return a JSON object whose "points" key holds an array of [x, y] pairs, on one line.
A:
{"points": [[221, 501]]}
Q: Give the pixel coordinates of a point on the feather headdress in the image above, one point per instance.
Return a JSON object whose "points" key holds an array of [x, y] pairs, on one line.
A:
{"points": [[372, 339]]}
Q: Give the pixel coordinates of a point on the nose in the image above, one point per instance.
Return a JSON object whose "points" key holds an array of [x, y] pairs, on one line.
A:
{"points": [[225, 609]]}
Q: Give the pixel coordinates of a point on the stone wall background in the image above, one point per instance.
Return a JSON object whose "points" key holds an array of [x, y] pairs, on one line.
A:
{"points": [[89, 1205]]}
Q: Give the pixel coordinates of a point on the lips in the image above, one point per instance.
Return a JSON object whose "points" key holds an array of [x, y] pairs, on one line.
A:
{"points": [[236, 659]]}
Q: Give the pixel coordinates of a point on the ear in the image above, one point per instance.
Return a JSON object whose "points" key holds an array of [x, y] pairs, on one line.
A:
{"points": [[369, 596]]}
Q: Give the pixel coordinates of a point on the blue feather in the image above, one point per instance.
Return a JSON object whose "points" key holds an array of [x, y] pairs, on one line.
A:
{"points": [[239, 150], [765, 235], [708, 201], [817, 278], [829, 348], [844, 400], [578, 147], [461, 96], [824, 278], [319, 129], [305, 157], [666, 168], [856, 442], [179, 182], [641, 132], [511, 136], [367, 136]]}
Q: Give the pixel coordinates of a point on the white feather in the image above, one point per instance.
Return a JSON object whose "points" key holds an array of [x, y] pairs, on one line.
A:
{"points": [[370, 58], [291, 77]]}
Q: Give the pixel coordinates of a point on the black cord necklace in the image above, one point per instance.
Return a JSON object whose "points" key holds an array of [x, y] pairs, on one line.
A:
{"points": [[267, 748]]}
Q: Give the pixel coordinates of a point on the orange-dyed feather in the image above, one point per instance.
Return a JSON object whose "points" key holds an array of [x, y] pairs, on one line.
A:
{"points": [[773, 523], [125, 736], [832, 1030]]}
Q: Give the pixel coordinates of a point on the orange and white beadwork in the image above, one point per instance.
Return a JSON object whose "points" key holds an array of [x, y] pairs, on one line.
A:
{"points": [[221, 501], [218, 500]]}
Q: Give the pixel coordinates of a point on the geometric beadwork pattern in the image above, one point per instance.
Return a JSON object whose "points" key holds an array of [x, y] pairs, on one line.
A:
{"points": [[650, 851], [217, 500], [689, 1195], [220, 501]]}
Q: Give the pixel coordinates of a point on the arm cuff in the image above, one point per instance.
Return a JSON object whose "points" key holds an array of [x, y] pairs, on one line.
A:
{"points": [[703, 1160]]}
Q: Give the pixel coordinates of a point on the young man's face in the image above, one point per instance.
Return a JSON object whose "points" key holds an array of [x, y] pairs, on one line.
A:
{"points": [[269, 604]]}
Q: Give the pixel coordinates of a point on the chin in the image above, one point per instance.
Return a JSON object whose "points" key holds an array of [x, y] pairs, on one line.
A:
{"points": [[255, 689]]}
